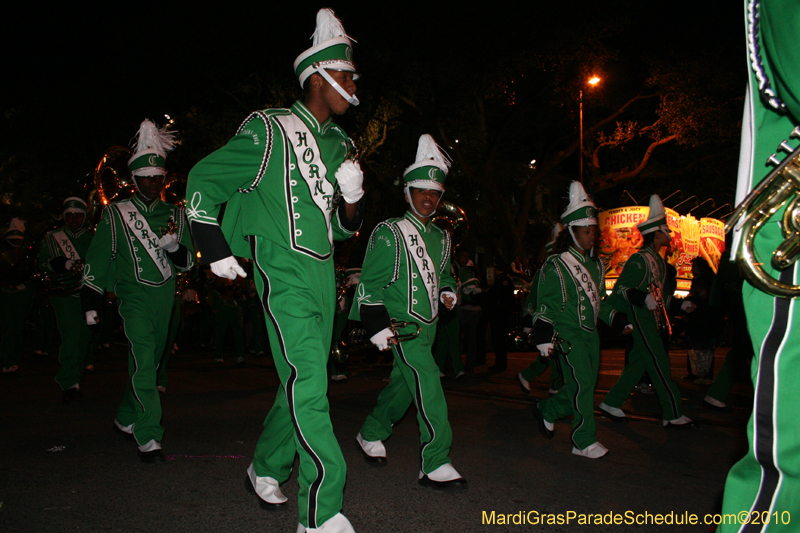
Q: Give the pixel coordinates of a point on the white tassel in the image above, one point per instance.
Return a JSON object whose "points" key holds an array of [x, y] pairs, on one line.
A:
{"points": [[151, 138], [328, 27], [428, 149]]}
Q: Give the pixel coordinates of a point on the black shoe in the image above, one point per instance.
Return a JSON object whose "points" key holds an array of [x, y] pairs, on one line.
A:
{"points": [[612, 417], [454, 485], [272, 507], [153, 456], [72, 395], [548, 434]]}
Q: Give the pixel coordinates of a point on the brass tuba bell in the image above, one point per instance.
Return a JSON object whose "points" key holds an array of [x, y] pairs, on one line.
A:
{"points": [[451, 217], [112, 179]]}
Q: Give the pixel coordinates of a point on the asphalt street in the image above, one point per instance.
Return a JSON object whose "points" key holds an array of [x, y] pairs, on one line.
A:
{"points": [[63, 469]]}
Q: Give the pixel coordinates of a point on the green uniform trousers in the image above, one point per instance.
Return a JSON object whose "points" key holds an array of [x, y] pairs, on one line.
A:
{"points": [[648, 354], [75, 338], [538, 367], [145, 313], [576, 397], [415, 378], [298, 294]]}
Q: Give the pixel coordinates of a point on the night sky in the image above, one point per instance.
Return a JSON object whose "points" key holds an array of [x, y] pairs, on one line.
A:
{"points": [[79, 79]]}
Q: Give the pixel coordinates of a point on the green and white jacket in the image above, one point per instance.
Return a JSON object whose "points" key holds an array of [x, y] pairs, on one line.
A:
{"points": [[569, 296], [124, 253], [406, 269], [277, 178]]}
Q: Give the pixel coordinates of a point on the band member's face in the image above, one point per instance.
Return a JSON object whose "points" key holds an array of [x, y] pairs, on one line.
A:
{"points": [[150, 186], [74, 221], [333, 100], [661, 239], [585, 236], [424, 200], [462, 258]]}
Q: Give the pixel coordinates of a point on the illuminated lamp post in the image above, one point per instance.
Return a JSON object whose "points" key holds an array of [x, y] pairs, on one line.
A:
{"points": [[594, 80]]}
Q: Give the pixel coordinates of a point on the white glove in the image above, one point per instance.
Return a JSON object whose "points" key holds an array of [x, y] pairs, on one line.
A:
{"points": [[228, 268], [350, 179], [68, 264], [91, 318], [169, 243], [650, 302], [688, 306], [627, 329], [545, 349], [381, 339], [449, 294], [526, 330]]}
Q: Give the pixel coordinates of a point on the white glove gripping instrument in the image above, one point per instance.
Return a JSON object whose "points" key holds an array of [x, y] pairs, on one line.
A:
{"points": [[228, 268], [449, 294], [91, 318], [545, 349], [350, 179], [169, 243], [650, 302], [381, 339]]}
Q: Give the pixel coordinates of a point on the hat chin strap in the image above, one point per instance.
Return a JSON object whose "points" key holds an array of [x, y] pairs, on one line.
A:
{"points": [[352, 99]]}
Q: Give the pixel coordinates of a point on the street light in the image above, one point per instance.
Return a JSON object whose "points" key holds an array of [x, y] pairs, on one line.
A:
{"points": [[594, 80]]}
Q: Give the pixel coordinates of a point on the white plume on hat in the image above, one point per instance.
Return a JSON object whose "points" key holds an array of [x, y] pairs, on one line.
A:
{"points": [[328, 27], [656, 219], [428, 152], [150, 139], [581, 211]]}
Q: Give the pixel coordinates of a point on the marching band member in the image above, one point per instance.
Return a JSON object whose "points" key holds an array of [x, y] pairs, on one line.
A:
{"points": [[766, 481], [632, 295], [406, 275], [62, 253], [135, 255], [569, 302], [281, 176]]}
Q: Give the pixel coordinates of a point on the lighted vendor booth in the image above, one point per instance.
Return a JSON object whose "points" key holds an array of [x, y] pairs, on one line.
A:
{"points": [[619, 239]]}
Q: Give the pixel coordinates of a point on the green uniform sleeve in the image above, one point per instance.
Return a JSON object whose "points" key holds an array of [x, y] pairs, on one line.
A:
{"points": [[236, 167], [183, 259], [379, 271], [99, 271], [46, 254], [549, 301], [778, 24]]}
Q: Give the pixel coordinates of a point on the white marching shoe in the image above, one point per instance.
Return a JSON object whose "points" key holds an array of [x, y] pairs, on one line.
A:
{"points": [[267, 489], [374, 451], [593, 451], [338, 523], [445, 479]]}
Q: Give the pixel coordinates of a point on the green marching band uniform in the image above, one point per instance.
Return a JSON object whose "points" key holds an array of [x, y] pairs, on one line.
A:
{"points": [[766, 480], [62, 250], [130, 257], [541, 363], [569, 303], [631, 295], [280, 176], [406, 272]]}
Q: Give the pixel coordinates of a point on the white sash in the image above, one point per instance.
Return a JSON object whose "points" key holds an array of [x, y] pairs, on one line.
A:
{"points": [[138, 226], [416, 249], [584, 279], [311, 166], [654, 270], [66, 245]]}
